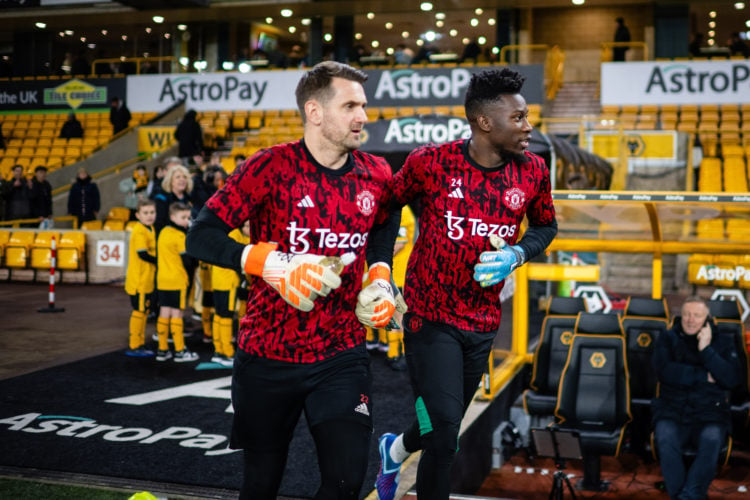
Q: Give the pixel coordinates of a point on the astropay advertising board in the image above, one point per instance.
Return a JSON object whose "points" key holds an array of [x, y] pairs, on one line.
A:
{"points": [[275, 89], [676, 82]]}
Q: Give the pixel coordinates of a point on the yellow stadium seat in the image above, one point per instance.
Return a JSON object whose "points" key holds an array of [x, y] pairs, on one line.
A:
{"points": [[41, 249], [18, 248], [4, 238], [92, 225], [122, 213], [114, 225], [725, 262], [71, 250]]}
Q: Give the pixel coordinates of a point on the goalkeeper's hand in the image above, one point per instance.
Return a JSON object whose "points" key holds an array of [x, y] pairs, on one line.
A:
{"points": [[376, 302], [495, 266], [299, 279]]}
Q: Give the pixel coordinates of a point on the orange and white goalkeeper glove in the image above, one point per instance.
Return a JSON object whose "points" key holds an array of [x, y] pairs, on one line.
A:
{"points": [[376, 303], [299, 279]]}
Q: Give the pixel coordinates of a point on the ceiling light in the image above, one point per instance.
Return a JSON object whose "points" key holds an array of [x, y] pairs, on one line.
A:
{"points": [[244, 67], [439, 15], [358, 36], [375, 44], [286, 12], [712, 24], [40, 25], [389, 51], [712, 33], [419, 42], [104, 32], [184, 61], [426, 6], [124, 38], [478, 11], [404, 34], [148, 30], [747, 23], [167, 36], [327, 37], [491, 21], [711, 42], [227, 65], [62, 34], [389, 25], [453, 32], [91, 45], [269, 20], [578, 2], [465, 41], [69, 32], [739, 5], [83, 39], [439, 24], [482, 40], [292, 29], [430, 36], [305, 21], [370, 15], [182, 27], [495, 50], [712, 14], [474, 21], [158, 19]]}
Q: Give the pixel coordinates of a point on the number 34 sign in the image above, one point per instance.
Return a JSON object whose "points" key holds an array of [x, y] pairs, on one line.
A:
{"points": [[110, 253]]}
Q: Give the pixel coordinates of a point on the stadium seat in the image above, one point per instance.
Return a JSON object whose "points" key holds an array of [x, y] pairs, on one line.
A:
{"points": [[4, 237], [594, 400], [18, 248], [41, 249], [71, 250], [92, 225], [114, 225], [550, 355], [122, 213]]}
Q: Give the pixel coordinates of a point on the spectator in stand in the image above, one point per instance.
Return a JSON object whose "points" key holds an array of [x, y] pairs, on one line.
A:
{"points": [[119, 115], [176, 186], [71, 128], [297, 57], [403, 54], [695, 45], [189, 135], [134, 188], [154, 185], [83, 199], [472, 51], [239, 160], [41, 198], [737, 46], [80, 65], [17, 195], [622, 34], [696, 367]]}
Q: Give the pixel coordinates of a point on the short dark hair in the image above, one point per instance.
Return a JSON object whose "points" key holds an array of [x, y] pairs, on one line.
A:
{"points": [[316, 83], [178, 206], [489, 86], [144, 202], [40, 168]]}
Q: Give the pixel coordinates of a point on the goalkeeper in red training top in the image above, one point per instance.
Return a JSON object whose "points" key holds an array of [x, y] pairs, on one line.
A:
{"points": [[300, 344], [473, 193]]}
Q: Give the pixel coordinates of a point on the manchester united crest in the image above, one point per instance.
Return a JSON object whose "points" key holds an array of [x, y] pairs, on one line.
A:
{"points": [[514, 198], [366, 202]]}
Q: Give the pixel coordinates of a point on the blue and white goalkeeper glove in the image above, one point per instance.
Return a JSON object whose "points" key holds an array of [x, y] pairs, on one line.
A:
{"points": [[495, 266]]}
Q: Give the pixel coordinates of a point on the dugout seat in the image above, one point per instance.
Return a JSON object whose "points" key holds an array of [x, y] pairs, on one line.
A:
{"points": [[594, 400], [728, 320], [550, 355], [598, 323]]}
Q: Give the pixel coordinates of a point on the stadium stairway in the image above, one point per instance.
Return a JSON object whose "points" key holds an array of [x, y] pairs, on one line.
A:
{"points": [[575, 99]]}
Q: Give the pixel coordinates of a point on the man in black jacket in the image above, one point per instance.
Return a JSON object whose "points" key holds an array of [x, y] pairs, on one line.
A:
{"points": [[696, 368], [119, 115]]}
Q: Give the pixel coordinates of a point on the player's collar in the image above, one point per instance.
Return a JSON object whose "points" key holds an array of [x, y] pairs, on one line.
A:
{"points": [[345, 168]]}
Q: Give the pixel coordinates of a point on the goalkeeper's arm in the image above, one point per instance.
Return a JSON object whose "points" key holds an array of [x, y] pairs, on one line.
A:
{"points": [[208, 240]]}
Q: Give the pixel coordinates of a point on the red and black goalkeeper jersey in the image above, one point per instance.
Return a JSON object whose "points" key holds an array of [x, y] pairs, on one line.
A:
{"points": [[463, 204], [292, 200]]}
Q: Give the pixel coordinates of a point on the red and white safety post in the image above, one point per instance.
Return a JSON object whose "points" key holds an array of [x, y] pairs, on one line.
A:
{"points": [[52, 264]]}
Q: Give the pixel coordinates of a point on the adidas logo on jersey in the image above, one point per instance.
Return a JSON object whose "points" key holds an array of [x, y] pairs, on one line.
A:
{"points": [[306, 202], [362, 408], [456, 193]]}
